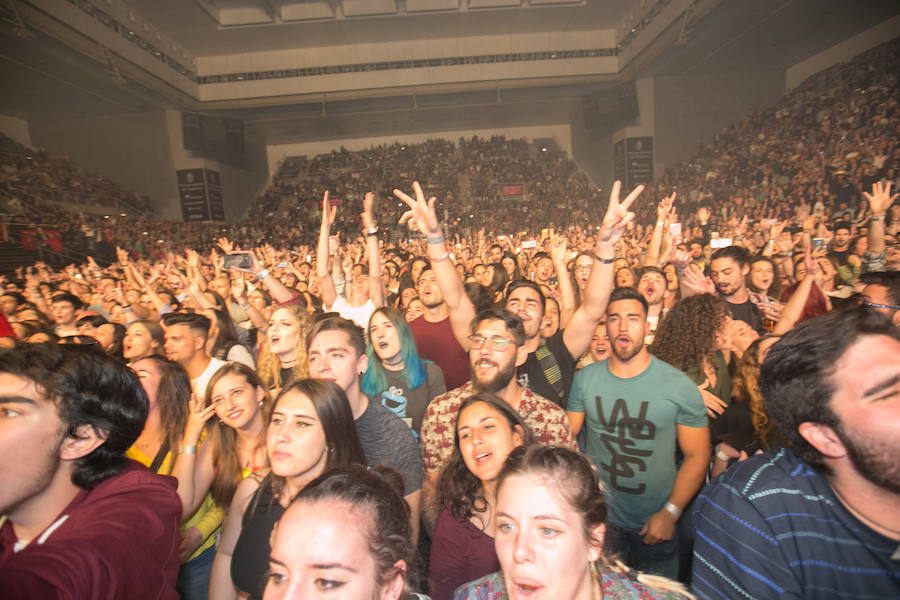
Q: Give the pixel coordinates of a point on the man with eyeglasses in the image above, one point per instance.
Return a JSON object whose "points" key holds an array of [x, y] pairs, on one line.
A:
{"points": [[881, 291], [496, 348]]}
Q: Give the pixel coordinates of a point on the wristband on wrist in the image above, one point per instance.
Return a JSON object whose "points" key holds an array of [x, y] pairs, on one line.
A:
{"points": [[438, 239], [604, 261], [187, 450], [262, 274], [372, 232], [722, 456], [443, 257], [659, 223], [877, 218], [674, 510]]}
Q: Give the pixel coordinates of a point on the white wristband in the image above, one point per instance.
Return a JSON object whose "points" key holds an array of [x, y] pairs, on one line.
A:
{"points": [[676, 512], [722, 456], [262, 274]]}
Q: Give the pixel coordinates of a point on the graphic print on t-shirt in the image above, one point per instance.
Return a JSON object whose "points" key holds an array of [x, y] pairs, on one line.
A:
{"points": [[621, 431]]}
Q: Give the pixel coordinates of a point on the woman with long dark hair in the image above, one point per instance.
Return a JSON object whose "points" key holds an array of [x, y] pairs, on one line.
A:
{"points": [[223, 341], [462, 547], [311, 430]]}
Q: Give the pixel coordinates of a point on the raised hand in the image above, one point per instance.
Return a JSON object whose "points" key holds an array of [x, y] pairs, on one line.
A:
{"points": [[664, 208], [226, 246], [693, 278], [880, 199], [421, 215], [198, 415], [368, 215], [617, 215], [121, 256], [328, 212], [558, 246], [239, 289]]}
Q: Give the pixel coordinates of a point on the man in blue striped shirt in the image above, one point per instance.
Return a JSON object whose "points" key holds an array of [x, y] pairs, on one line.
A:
{"points": [[820, 519]]}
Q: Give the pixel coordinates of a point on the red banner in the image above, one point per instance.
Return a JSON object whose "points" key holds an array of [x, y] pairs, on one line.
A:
{"points": [[512, 190]]}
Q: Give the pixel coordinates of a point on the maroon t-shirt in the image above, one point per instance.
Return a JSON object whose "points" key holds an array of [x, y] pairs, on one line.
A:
{"points": [[436, 342], [119, 540]]}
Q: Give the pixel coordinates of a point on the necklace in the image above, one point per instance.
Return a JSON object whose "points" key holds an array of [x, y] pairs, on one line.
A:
{"points": [[895, 533]]}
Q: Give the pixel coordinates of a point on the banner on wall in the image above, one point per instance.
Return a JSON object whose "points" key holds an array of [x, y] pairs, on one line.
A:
{"points": [[200, 191], [633, 161]]}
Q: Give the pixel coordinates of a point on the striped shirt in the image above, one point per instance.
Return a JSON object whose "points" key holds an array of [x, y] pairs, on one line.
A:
{"points": [[772, 527]]}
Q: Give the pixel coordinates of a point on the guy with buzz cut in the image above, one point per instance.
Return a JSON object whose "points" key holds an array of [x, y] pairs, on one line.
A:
{"points": [[80, 519]]}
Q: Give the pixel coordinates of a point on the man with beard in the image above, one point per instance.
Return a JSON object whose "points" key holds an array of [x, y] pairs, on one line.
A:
{"points": [[550, 363], [638, 409], [495, 350], [434, 335], [820, 518], [729, 268], [654, 288]]}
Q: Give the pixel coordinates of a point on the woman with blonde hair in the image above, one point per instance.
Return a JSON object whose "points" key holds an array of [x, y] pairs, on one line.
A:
{"points": [[282, 357]]}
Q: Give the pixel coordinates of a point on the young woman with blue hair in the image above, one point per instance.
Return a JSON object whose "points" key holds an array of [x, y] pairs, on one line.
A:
{"points": [[396, 376]]}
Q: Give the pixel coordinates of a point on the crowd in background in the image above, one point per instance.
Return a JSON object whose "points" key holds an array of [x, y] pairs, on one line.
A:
{"points": [[405, 304]]}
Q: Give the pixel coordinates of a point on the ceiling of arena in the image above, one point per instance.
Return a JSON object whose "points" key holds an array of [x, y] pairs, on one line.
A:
{"points": [[43, 77], [213, 27]]}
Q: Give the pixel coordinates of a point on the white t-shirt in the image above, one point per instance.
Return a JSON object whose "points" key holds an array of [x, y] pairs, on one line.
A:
{"points": [[358, 314], [199, 383]]}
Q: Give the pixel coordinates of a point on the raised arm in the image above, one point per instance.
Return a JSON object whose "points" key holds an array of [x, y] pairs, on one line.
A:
{"points": [[880, 201], [578, 334], [558, 246], [376, 285], [422, 217], [326, 282], [662, 213]]}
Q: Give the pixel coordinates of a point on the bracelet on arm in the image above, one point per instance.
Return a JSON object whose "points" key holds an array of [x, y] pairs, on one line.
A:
{"points": [[262, 274], [187, 450], [443, 257], [877, 218], [438, 239], [372, 232], [674, 510], [604, 261]]}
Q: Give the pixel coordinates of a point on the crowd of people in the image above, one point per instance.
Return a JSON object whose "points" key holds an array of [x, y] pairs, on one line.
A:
{"points": [[689, 389]]}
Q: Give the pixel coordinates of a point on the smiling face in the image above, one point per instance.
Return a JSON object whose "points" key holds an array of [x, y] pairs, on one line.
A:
{"points": [[238, 404], [138, 342], [283, 333], [295, 439], [528, 305], [600, 346], [485, 439], [415, 310], [333, 562], [541, 542], [384, 337]]}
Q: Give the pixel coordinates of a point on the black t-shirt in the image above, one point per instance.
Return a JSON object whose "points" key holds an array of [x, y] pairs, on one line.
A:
{"points": [[748, 313], [531, 374]]}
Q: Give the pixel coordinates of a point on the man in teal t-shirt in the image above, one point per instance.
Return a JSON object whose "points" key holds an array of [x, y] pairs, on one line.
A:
{"points": [[639, 410]]}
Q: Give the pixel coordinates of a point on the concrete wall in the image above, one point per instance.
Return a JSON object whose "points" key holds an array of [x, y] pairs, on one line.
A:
{"points": [[142, 151], [16, 129], [842, 52], [131, 149]]}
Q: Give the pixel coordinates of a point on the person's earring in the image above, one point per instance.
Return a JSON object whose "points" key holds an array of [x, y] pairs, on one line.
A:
{"points": [[260, 403], [330, 448]]}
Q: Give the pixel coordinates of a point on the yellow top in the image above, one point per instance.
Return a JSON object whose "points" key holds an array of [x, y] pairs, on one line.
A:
{"points": [[208, 516]]}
